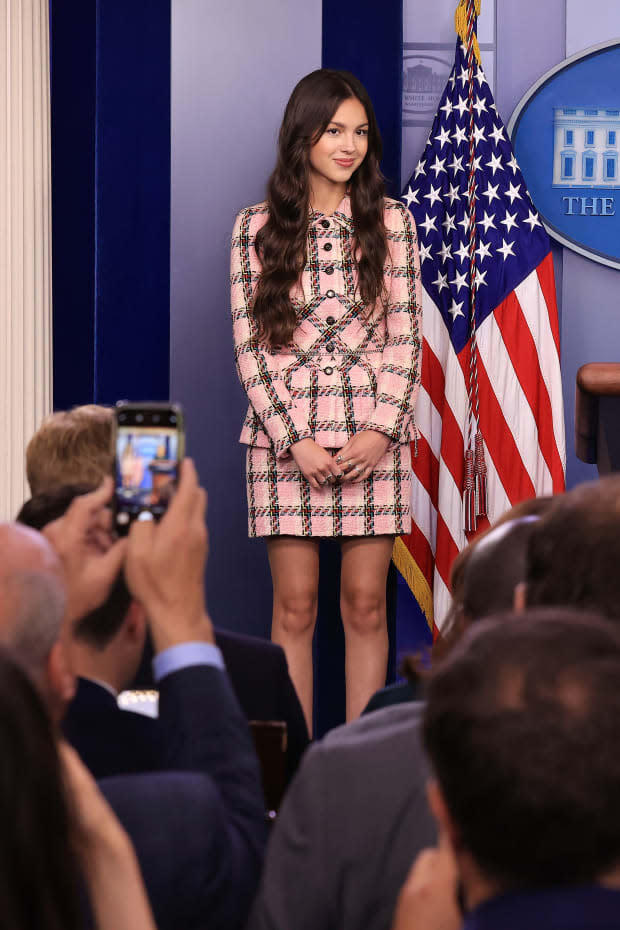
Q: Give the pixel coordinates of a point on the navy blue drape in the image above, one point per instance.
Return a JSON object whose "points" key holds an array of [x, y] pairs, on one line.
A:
{"points": [[110, 200], [366, 37]]}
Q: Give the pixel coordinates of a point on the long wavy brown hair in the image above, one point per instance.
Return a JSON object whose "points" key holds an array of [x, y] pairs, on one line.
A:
{"points": [[281, 242]]}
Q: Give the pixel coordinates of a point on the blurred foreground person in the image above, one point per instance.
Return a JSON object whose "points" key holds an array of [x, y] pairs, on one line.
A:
{"points": [[522, 727], [574, 554], [198, 827], [112, 646], [356, 814], [57, 829]]}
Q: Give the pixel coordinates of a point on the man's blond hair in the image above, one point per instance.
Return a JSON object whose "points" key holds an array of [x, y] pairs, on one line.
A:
{"points": [[71, 447]]}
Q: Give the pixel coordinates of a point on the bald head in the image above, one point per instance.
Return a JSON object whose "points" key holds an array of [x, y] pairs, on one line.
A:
{"points": [[23, 549], [496, 565], [32, 597]]}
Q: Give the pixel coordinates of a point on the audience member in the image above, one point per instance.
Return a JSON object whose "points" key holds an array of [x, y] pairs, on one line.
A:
{"points": [[482, 580], [522, 727], [57, 830], [199, 831], [496, 565], [356, 814], [106, 648], [71, 446], [573, 555], [109, 652], [69, 455]]}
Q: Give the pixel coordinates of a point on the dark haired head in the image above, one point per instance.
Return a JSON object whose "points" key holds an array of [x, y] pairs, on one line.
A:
{"points": [[38, 868], [99, 626], [522, 727], [281, 243], [496, 566], [574, 554], [484, 574], [47, 506]]}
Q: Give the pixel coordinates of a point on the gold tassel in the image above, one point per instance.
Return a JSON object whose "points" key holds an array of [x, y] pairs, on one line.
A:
{"points": [[407, 566], [460, 24]]}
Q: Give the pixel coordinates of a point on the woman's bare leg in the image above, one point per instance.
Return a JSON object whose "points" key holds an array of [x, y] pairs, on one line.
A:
{"points": [[365, 563], [294, 563]]}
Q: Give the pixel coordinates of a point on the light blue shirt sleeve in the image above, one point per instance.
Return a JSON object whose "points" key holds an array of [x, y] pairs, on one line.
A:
{"points": [[185, 655]]}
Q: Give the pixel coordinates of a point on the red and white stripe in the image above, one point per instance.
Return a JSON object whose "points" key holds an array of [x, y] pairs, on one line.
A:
{"points": [[521, 420]]}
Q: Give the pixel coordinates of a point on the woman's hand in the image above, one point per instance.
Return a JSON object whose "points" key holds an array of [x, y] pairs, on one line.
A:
{"points": [[95, 820], [362, 452], [315, 463], [428, 899], [116, 890]]}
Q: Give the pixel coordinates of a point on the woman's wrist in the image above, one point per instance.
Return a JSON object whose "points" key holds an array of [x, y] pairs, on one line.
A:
{"points": [[301, 443], [116, 889], [298, 447], [104, 844], [377, 432]]}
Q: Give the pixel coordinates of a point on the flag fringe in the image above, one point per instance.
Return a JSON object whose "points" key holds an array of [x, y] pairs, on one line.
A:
{"points": [[417, 583], [460, 24], [480, 478]]}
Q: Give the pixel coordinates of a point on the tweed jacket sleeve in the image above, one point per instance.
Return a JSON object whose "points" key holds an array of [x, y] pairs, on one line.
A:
{"points": [[398, 378], [257, 366]]}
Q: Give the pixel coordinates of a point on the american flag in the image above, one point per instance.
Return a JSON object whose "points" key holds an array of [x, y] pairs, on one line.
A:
{"points": [[518, 369]]}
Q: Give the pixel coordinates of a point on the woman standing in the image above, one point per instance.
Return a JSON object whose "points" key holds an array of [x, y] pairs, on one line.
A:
{"points": [[327, 325]]}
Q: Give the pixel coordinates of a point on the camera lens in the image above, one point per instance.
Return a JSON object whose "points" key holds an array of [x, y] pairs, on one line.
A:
{"points": [[122, 418], [173, 419], [139, 418]]}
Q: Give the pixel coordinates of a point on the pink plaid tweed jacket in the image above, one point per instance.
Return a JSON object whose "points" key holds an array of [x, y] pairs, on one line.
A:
{"points": [[342, 372]]}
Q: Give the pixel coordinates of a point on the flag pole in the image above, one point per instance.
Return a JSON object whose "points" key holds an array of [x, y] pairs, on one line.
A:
{"points": [[474, 491]]}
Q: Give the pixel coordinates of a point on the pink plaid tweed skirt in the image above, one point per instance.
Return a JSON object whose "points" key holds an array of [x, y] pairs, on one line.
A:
{"points": [[282, 503]]}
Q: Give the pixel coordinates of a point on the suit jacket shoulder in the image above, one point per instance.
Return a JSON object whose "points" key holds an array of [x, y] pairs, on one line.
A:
{"points": [[206, 880], [349, 829], [393, 694], [110, 741], [199, 831]]}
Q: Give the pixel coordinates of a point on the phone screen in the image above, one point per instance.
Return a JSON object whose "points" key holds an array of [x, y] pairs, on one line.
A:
{"points": [[147, 460]]}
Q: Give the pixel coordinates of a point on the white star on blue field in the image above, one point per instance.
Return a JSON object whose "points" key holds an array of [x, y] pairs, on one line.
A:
{"points": [[511, 240]]}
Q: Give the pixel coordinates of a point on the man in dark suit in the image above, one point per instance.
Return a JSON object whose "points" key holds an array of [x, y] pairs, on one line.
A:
{"points": [[198, 831], [112, 650], [522, 726], [258, 672]]}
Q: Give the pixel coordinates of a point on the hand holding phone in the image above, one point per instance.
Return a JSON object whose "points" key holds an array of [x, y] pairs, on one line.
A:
{"points": [[149, 443], [165, 567]]}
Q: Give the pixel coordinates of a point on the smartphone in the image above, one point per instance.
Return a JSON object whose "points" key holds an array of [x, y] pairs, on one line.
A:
{"points": [[149, 444]]}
